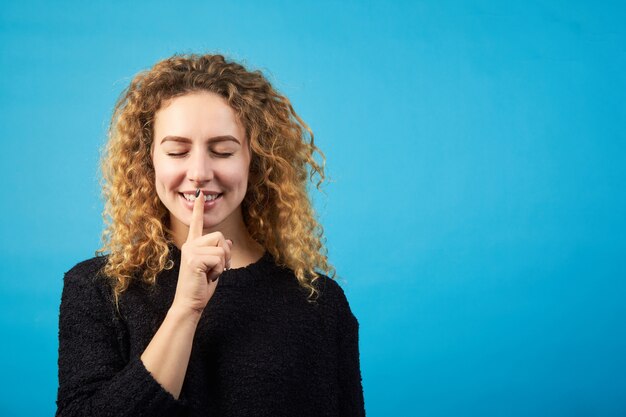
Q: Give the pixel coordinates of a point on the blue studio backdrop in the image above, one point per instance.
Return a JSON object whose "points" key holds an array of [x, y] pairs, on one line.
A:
{"points": [[476, 209]]}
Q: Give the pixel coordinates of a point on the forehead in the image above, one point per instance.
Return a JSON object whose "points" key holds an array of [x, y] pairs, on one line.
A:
{"points": [[196, 116]]}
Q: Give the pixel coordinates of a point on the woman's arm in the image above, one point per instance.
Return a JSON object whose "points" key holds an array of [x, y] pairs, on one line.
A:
{"points": [[351, 402], [203, 259], [167, 355], [96, 378]]}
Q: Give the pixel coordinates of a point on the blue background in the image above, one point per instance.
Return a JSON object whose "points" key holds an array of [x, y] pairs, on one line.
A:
{"points": [[476, 212]]}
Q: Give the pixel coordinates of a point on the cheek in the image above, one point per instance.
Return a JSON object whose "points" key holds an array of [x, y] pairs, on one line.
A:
{"points": [[165, 173], [238, 174]]}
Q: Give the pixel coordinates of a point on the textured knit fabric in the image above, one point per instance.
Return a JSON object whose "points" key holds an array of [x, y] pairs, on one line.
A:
{"points": [[260, 348]]}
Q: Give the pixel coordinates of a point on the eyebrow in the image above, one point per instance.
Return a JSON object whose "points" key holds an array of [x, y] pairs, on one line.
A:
{"points": [[183, 139]]}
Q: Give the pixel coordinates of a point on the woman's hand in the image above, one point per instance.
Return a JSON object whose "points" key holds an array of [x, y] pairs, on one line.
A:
{"points": [[203, 260]]}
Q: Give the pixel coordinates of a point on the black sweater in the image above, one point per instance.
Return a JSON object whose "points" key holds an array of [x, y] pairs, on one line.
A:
{"points": [[260, 348]]}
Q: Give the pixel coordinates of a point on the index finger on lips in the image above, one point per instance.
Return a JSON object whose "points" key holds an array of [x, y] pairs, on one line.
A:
{"points": [[196, 223]]}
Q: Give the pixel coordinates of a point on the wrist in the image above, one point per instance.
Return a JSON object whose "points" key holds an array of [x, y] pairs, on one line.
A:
{"points": [[180, 312]]}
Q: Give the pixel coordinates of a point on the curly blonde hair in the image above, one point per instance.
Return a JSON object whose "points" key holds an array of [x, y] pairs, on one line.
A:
{"points": [[276, 209]]}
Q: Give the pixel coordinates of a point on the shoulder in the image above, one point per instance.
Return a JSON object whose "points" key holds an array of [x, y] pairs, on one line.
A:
{"points": [[330, 289], [331, 293], [86, 281], [88, 267], [87, 301]]}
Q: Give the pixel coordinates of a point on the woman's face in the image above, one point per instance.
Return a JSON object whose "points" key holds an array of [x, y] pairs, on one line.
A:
{"points": [[200, 143]]}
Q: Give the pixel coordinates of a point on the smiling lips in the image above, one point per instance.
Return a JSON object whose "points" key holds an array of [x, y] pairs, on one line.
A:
{"points": [[208, 196]]}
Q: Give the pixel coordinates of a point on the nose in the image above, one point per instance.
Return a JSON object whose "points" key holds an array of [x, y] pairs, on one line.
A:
{"points": [[199, 170]]}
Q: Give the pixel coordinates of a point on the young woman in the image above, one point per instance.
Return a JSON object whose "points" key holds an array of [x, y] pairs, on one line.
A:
{"points": [[211, 299]]}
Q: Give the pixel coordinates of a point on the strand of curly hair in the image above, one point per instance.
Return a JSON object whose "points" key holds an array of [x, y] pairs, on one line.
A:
{"points": [[277, 209]]}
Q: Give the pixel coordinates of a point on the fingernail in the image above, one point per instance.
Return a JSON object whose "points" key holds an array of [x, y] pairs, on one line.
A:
{"points": [[230, 241], [197, 192]]}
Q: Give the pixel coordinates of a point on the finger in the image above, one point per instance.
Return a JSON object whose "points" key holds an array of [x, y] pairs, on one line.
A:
{"points": [[206, 261], [228, 253], [212, 239], [226, 246], [216, 239], [203, 252], [216, 271], [196, 224]]}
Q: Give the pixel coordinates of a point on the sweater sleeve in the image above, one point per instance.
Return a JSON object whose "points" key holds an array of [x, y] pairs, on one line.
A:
{"points": [[95, 379], [351, 402]]}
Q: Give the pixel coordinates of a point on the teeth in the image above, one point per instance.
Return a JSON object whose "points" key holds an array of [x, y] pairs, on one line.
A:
{"points": [[192, 197]]}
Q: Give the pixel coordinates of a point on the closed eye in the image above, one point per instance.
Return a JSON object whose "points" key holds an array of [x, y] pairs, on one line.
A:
{"points": [[217, 154]]}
